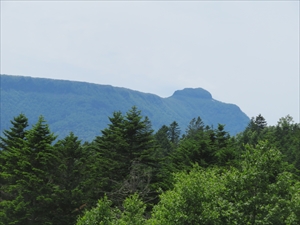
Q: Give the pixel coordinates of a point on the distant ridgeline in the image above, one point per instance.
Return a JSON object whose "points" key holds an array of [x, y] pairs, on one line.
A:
{"points": [[84, 108]]}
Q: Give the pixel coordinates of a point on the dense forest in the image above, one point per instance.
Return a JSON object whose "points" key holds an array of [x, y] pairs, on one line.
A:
{"points": [[129, 174], [62, 102]]}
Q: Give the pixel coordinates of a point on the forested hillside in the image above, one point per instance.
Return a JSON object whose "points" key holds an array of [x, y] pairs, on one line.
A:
{"points": [[131, 174], [83, 108]]}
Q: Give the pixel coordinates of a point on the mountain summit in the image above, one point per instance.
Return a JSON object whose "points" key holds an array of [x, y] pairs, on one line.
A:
{"points": [[84, 108], [192, 93]]}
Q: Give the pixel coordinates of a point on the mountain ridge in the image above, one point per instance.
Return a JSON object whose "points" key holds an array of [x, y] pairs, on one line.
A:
{"points": [[84, 107]]}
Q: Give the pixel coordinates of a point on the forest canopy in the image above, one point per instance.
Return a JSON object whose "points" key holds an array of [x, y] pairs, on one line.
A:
{"points": [[83, 108], [130, 174]]}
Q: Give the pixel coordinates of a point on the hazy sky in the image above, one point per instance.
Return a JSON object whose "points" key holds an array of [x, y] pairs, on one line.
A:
{"points": [[244, 52]]}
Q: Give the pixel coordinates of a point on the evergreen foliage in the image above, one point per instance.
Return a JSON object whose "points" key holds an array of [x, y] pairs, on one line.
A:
{"points": [[15, 134], [203, 146], [73, 179], [127, 149], [285, 136], [12, 139], [204, 176], [28, 171], [174, 133], [259, 191]]}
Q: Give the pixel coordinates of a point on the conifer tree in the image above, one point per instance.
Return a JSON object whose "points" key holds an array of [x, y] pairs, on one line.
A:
{"points": [[17, 131], [12, 138], [205, 147], [223, 151], [254, 132], [74, 180], [162, 140], [286, 137], [112, 151], [138, 134], [174, 133], [192, 149], [126, 144], [29, 171], [261, 190], [260, 122], [194, 126], [163, 152]]}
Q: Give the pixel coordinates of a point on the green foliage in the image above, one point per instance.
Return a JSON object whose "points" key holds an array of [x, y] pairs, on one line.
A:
{"points": [[285, 136], [46, 184], [190, 202], [260, 188], [126, 155], [15, 134], [138, 134], [203, 146], [167, 140], [102, 214], [12, 139], [133, 211], [73, 179], [255, 131], [28, 174], [259, 191], [194, 127], [204, 177], [163, 141], [174, 133], [111, 149]]}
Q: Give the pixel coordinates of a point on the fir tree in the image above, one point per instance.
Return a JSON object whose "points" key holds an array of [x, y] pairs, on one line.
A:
{"points": [[16, 133], [174, 133], [126, 144], [73, 180], [29, 171]]}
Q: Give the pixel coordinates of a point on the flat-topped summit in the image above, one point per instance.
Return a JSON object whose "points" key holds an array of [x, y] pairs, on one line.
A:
{"points": [[84, 108], [192, 93]]}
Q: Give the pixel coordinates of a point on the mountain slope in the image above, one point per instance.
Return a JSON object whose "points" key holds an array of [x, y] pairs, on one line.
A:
{"points": [[84, 108]]}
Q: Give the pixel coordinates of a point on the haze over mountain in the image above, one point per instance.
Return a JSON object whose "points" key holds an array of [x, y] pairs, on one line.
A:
{"points": [[84, 108]]}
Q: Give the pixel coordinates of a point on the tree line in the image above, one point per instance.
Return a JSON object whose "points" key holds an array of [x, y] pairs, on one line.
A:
{"points": [[130, 174]]}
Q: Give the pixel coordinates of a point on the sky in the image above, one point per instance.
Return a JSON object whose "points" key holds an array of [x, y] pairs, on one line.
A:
{"points": [[242, 52]]}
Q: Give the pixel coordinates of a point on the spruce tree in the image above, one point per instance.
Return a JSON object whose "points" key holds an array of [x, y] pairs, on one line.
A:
{"points": [[127, 146], [174, 133], [12, 138], [138, 134], [112, 151], [29, 171], [204, 146], [162, 140], [260, 122], [254, 132], [72, 180], [222, 150], [17, 132], [194, 126], [196, 148], [11, 141], [162, 155]]}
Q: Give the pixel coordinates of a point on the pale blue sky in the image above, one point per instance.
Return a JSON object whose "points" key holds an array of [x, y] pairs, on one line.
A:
{"points": [[244, 52]]}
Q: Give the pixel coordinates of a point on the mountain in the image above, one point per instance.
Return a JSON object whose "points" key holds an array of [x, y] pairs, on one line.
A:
{"points": [[84, 108]]}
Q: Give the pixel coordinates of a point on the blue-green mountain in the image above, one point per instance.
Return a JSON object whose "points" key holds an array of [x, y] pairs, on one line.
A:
{"points": [[84, 108]]}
